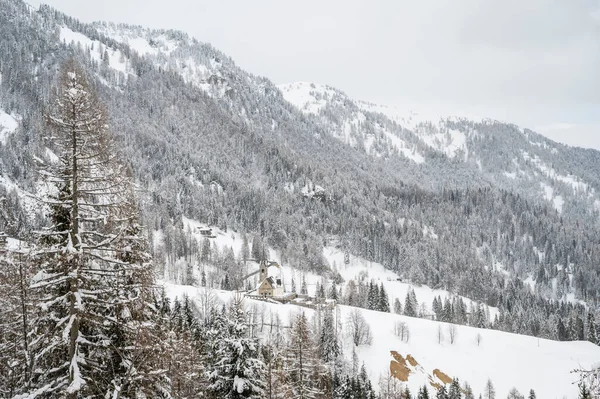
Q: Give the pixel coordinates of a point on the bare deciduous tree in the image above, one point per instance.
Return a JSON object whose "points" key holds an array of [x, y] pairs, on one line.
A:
{"points": [[452, 333], [358, 328], [401, 330]]}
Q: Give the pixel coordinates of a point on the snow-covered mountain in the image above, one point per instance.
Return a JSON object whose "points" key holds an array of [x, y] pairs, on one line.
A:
{"points": [[481, 209], [520, 158]]}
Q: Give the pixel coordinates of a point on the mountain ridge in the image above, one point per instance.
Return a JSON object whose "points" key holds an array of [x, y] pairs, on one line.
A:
{"points": [[210, 141]]}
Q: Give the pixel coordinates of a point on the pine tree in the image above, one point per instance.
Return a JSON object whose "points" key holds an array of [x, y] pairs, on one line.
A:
{"points": [[584, 392], [454, 392], [94, 335], [333, 293], [397, 306], [442, 393], [423, 393], [531, 394], [410, 308], [329, 346], [591, 327], [257, 248], [384, 305], [372, 297], [303, 289], [245, 252], [561, 331], [205, 252], [236, 370]]}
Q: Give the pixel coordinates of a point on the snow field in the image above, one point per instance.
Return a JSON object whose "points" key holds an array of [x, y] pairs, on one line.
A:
{"points": [[509, 360]]}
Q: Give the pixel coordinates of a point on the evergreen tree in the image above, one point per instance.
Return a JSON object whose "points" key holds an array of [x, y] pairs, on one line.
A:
{"points": [[329, 346], [561, 331], [454, 392], [442, 393], [584, 392], [423, 393], [333, 293], [397, 306], [591, 328], [257, 248], [96, 320], [236, 371], [303, 289], [205, 253], [245, 252], [531, 394], [410, 308], [384, 305]]}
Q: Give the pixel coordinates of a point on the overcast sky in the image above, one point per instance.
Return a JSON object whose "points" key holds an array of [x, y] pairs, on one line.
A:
{"points": [[531, 62]]}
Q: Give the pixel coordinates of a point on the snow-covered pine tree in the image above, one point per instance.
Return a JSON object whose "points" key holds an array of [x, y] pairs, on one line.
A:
{"points": [[94, 332], [303, 289], [442, 393], [384, 304], [397, 306], [236, 370], [329, 346], [182, 345], [591, 328], [410, 307], [423, 393], [333, 291], [454, 392], [15, 302]]}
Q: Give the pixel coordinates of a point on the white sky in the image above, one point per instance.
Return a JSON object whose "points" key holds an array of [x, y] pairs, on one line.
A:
{"points": [[530, 62]]}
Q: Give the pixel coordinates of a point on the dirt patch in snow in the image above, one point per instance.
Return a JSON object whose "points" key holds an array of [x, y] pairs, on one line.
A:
{"points": [[398, 367], [412, 360], [442, 376]]}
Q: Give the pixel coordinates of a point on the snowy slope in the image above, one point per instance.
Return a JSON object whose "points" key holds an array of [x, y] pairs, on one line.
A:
{"points": [[311, 98], [116, 59], [356, 269], [509, 360], [8, 124], [519, 156]]}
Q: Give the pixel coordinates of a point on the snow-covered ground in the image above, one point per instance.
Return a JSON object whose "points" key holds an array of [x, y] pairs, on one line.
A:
{"points": [[356, 269], [8, 124], [308, 97], [116, 59], [509, 360]]}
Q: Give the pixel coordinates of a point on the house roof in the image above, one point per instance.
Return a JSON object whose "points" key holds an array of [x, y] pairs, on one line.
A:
{"points": [[271, 281]]}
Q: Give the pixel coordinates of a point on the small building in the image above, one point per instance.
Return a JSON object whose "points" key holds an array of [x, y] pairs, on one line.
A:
{"points": [[206, 232], [270, 284]]}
